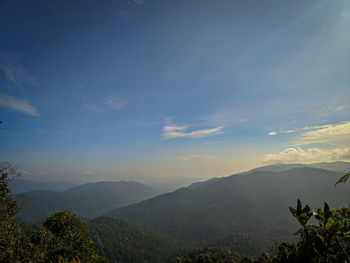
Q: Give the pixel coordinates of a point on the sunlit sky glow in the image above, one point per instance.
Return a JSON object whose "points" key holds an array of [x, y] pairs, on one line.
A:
{"points": [[113, 89]]}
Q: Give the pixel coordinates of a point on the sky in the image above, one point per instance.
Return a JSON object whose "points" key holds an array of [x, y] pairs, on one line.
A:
{"points": [[111, 89]]}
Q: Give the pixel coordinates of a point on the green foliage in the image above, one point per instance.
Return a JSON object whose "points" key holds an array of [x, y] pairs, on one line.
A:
{"points": [[327, 241], [66, 260], [210, 255], [249, 245], [121, 241], [15, 246], [343, 179], [65, 236], [301, 214]]}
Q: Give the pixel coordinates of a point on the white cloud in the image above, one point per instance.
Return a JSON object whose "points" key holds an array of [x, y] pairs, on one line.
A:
{"points": [[272, 133], [316, 127], [198, 157], [115, 102], [290, 131], [87, 172], [92, 107], [25, 172], [324, 134], [175, 131], [19, 105], [298, 154]]}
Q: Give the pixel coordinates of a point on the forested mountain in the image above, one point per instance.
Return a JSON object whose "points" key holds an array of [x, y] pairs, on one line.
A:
{"points": [[19, 186], [342, 167], [88, 200], [121, 241], [254, 204]]}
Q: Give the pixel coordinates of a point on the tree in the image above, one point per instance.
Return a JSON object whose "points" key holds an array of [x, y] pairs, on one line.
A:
{"points": [[15, 245], [65, 236], [210, 255]]}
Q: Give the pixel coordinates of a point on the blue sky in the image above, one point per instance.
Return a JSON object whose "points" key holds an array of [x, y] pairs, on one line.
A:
{"points": [[95, 90]]}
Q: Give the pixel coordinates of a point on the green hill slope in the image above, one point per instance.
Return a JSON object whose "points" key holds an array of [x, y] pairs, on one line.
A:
{"points": [[121, 241]]}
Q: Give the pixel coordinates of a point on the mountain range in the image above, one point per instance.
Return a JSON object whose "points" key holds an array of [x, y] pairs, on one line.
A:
{"points": [[246, 212], [255, 204], [88, 200], [19, 186]]}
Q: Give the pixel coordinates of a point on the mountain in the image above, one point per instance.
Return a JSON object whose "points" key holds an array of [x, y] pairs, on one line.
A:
{"points": [[19, 186], [88, 200], [342, 167], [120, 241], [114, 194], [254, 204]]}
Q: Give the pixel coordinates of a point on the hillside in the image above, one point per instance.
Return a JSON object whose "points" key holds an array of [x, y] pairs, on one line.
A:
{"points": [[121, 241], [255, 204], [88, 200], [342, 167], [19, 186]]}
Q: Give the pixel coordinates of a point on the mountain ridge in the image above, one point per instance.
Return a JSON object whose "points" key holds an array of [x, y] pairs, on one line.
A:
{"points": [[244, 204], [88, 200]]}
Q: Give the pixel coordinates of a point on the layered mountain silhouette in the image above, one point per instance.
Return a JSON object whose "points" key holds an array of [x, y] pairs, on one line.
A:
{"points": [[19, 186], [87, 200], [255, 203], [247, 212]]}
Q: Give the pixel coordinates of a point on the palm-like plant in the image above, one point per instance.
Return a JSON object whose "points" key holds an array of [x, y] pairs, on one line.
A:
{"points": [[343, 179]]}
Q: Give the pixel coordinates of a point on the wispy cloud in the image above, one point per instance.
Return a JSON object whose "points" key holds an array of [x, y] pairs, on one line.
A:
{"points": [[345, 14], [289, 131], [316, 127], [92, 107], [14, 71], [43, 172], [324, 134], [175, 131], [198, 157], [298, 154], [137, 2], [273, 133], [87, 172], [20, 105], [224, 118], [115, 102], [25, 172]]}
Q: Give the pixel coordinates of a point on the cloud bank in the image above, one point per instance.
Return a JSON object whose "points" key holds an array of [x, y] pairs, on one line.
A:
{"points": [[324, 134], [310, 155]]}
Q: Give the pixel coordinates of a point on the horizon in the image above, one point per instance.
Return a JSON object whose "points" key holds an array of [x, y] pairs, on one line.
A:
{"points": [[118, 90]]}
